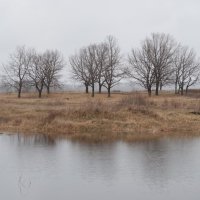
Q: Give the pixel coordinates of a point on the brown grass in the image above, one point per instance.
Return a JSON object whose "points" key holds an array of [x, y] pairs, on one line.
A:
{"points": [[128, 116]]}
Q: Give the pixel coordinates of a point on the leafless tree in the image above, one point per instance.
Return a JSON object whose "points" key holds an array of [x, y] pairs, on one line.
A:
{"points": [[79, 70], [140, 67], [161, 47], [98, 63], [84, 66], [16, 70], [101, 59], [152, 64], [113, 72], [53, 64], [89, 54], [37, 73], [187, 69]]}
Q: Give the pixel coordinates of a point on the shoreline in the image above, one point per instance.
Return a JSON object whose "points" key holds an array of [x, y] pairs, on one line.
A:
{"points": [[87, 138], [77, 116]]}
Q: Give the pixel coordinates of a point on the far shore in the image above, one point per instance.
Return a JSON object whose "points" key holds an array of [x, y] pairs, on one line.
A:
{"points": [[124, 116]]}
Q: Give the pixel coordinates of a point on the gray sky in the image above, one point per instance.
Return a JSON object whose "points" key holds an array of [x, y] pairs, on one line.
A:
{"points": [[67, 25]]}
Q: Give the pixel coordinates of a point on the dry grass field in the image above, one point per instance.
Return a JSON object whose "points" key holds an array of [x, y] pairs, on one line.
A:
{"points": [[126, 116]]}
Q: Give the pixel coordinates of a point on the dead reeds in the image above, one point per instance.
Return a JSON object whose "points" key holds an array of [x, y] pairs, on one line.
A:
{"points": [[131, 116]]}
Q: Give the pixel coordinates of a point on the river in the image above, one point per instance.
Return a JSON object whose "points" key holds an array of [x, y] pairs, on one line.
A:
{"points": [[41, 168]]}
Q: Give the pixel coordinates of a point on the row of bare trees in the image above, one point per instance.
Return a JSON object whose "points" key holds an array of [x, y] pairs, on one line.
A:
{"points": [[28, 68], [98, 64], [161, 61], [158, 62]]}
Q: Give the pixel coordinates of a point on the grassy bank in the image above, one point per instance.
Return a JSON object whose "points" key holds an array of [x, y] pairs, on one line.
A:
{"points": [[127, 116]]}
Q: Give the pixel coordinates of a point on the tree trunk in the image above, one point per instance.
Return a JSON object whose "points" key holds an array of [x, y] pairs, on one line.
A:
{"points": [[157, 88], [100, 86], [93, 90], [109, 92], [149, 92], [86, 89], [40, 93], [19, 93], [176, 90], [182, 90], [19, 90]]}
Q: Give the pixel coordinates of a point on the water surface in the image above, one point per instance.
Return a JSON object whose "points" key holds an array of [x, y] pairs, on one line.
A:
{"points": [[45, 169]]}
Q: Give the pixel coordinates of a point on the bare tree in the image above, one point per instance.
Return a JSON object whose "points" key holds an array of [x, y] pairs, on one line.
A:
{"points": [[152, 64], [101, 62], [37, 73], [161, 50], [89, 55], [17, 69], [113, 72], [187, 69], [79, 70], [98, 63], [85, 67], [53, 64], [140, 67]]}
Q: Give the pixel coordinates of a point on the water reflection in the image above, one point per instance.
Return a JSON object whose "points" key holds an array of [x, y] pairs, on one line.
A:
{"points": [[41, 167], [96, 160], [164, 163], [33, 140]]}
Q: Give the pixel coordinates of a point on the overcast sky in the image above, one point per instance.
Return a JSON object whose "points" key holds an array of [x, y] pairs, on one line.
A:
{"points": [[67, 25]]}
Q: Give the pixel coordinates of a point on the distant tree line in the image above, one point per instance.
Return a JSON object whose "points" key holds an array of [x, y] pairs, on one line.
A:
{"points": [[98, 64], [161, 61], [27, 68], [158, 62]]}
